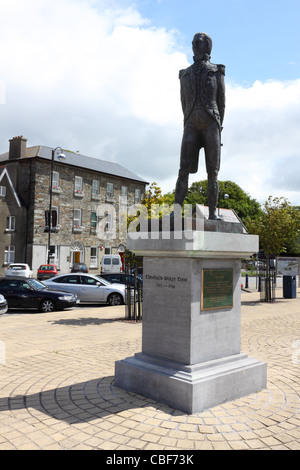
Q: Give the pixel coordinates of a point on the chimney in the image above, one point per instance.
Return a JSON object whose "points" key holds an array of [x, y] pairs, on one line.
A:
{"points": [[17, 147]]}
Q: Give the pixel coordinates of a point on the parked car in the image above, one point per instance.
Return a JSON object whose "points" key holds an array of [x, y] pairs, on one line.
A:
{"points": [[31, 293], [111, 264], [19, 269], [79, 268], [3, 304], [89, 288], [46, 271], [122, 278]]}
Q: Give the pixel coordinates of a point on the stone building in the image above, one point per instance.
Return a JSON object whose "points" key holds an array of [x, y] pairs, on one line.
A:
{"points": [[88, 195]]}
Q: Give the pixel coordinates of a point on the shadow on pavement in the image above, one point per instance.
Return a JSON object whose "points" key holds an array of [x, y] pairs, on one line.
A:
{"points": [[84, 321], [82, 402]]}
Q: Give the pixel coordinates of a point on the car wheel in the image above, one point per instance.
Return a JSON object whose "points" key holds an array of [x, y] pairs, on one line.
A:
{"points": [[115, 299], [47, 305]]}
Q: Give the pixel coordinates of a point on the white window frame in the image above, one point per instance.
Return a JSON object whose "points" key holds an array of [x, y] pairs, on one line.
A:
{"points": [[124, 191], [9, 254], [2, 191], [55, 181], [109, 190], [78, 185], [95, 188], [94, 257], [137, 195], [54, 256], [77, 218], [10, 223], [94, 221]]}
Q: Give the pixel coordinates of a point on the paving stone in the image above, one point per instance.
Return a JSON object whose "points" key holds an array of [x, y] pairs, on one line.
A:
{"points": [[57, 386]]}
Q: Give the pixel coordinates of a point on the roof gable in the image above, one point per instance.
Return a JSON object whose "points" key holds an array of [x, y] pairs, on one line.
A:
{"points": [[2, 175]]}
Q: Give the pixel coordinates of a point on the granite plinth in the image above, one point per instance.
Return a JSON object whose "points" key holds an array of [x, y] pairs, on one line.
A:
{"points": [[191, 356], [191, 388]]}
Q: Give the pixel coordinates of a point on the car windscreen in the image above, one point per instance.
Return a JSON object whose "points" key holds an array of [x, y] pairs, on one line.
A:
{"points": [[105, 281], [46, 268], [36, 284]]}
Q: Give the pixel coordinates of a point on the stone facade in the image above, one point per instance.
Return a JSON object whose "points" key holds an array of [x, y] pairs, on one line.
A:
{"points": [[12, 223], [82, 198]]}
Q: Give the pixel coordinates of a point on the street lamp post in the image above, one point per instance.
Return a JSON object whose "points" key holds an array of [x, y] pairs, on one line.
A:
{"points": [[225, 196], [60, 156]]}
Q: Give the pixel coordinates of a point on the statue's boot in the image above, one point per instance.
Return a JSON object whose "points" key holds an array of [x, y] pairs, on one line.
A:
{"points": [[212, 196]]}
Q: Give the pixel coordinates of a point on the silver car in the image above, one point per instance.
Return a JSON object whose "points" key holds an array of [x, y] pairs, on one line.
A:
{"points": [[19, 269], [88, 288], [3, 304]]}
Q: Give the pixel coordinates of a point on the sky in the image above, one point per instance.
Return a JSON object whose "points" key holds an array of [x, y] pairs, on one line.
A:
{"points": [[101, 77]]}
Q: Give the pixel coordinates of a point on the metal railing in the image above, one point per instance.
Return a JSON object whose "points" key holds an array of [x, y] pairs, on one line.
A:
{"points": [[266, 282], [134, 293]]}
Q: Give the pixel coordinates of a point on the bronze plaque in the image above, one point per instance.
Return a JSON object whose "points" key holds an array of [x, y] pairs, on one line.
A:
{"points": [[217, 289]]}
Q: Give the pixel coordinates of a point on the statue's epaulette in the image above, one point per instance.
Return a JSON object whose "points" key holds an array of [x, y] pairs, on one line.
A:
{"points": [[183, 72], [221, 68]]}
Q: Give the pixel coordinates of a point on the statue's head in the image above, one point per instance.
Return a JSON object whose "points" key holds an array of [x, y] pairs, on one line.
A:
{"points": [[202, 44]]}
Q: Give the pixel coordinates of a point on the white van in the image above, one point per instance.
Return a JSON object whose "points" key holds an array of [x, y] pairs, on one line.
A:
{"points": [[111, 264]]}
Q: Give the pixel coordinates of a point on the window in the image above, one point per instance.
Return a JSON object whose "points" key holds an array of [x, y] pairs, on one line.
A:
{"points": [[109, 190], [137, 195], [54, 254], [108, 225], [124, 191], [94, 257], [107, 250], [10, 223], [68, 279], [55, 181], [9, 254], [77, 218], [54, 218], [78, 185], [94, 221], [96, 188], [2, 191]]}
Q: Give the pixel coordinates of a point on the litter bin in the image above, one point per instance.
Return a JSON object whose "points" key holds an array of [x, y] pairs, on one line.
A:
{"points": [[289, 287]]}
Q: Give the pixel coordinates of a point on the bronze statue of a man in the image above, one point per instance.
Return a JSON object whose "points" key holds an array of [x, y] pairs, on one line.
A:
{"points": [[202, 90]]}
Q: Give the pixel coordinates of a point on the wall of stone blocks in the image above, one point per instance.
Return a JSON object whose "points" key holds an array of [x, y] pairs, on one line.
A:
{"points": [[66, 200]]}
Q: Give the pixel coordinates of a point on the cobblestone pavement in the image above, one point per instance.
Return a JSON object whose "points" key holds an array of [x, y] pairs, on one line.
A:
{"points": [[57, 385]]}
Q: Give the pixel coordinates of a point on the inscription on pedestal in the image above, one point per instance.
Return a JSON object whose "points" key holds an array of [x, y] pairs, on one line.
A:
{"points": [[160, 281], [217, 289]]}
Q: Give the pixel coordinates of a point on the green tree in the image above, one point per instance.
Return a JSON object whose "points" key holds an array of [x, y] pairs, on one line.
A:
{"points": [[277, 226], [153, 205], [238, 200], [156, 203]]}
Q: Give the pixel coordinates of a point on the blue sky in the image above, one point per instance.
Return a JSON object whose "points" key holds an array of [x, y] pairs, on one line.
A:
{"points": [[101, 77], [256, 39]]}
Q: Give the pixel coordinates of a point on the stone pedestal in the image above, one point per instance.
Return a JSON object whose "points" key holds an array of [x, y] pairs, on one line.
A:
{"points": [[191, 358]]}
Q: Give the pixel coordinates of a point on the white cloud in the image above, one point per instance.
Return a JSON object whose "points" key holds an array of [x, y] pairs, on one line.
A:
{"points": [[260, 136], [93, 76], [101, 80]]}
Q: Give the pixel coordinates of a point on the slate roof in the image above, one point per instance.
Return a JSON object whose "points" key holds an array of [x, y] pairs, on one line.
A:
{"points": [[82, 161]]}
